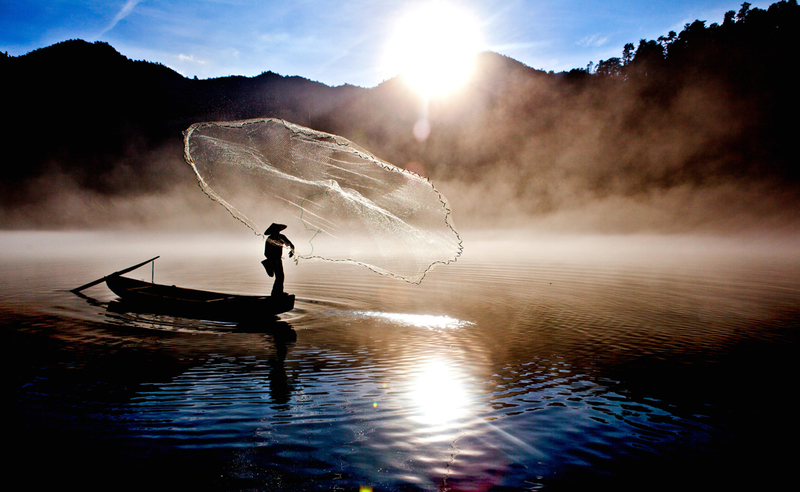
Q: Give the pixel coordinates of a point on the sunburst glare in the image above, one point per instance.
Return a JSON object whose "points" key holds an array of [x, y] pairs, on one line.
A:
{"points": [[434, 47]]}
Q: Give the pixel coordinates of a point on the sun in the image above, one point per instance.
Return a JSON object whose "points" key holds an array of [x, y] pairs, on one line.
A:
{"points": [[434, 48]]}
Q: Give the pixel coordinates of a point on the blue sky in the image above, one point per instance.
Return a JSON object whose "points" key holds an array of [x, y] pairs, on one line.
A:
{"points": [[338, 41]]}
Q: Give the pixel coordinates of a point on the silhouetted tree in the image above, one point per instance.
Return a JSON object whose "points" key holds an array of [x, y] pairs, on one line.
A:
{"points": [[742, 15], [667, 40], [627, 54], [610, 68], [649, 58]]}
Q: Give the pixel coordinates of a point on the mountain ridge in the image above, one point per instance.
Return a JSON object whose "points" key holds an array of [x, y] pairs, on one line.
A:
{"points": [[701, 113]]}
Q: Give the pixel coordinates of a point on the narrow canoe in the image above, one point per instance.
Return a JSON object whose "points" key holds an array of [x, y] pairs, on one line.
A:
{"points": [[197, 303]]}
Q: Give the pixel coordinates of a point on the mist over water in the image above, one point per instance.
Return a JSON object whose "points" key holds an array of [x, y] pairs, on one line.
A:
{"points": [[550, 361]]}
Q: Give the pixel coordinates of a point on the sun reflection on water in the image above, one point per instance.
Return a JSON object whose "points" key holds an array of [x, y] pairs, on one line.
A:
{"points": [[439, 394], [431, 322], [437, 389]]}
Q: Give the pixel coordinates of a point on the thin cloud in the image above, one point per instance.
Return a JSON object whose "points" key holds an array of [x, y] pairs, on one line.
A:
{"points": [[190, 59], [594, 41], [126, 9]]}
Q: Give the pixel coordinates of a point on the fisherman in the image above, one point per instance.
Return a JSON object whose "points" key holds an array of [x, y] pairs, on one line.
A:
{"points": [[273, 250]]}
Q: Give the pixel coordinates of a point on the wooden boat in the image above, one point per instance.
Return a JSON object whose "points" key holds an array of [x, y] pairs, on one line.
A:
{"points": [[197, 303], [191, 303]]}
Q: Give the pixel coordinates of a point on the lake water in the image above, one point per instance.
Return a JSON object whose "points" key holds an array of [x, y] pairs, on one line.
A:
{"points": [[533, 362]]}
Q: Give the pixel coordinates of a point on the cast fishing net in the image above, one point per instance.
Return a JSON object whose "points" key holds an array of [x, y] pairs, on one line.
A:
{"points": [[340, 202]]}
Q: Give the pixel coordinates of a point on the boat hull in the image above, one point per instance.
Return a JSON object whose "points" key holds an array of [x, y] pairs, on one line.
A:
{"points": [[198, 304]]}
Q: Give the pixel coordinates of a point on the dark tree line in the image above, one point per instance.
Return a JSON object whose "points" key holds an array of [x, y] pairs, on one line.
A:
{"points": [[748, 59], [741, 49]]}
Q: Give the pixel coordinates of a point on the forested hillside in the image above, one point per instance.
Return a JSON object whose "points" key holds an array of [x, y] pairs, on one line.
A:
{"points": [[689, 114]]}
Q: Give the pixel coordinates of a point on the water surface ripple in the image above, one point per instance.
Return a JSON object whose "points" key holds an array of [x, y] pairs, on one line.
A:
{"points": [[552, 363]]}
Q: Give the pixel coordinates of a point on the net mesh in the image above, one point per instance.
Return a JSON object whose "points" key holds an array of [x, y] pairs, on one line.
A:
{"points": [[340, 202]]}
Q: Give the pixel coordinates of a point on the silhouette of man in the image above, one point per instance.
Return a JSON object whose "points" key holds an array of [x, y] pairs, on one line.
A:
{"points": [[273, 250]]}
